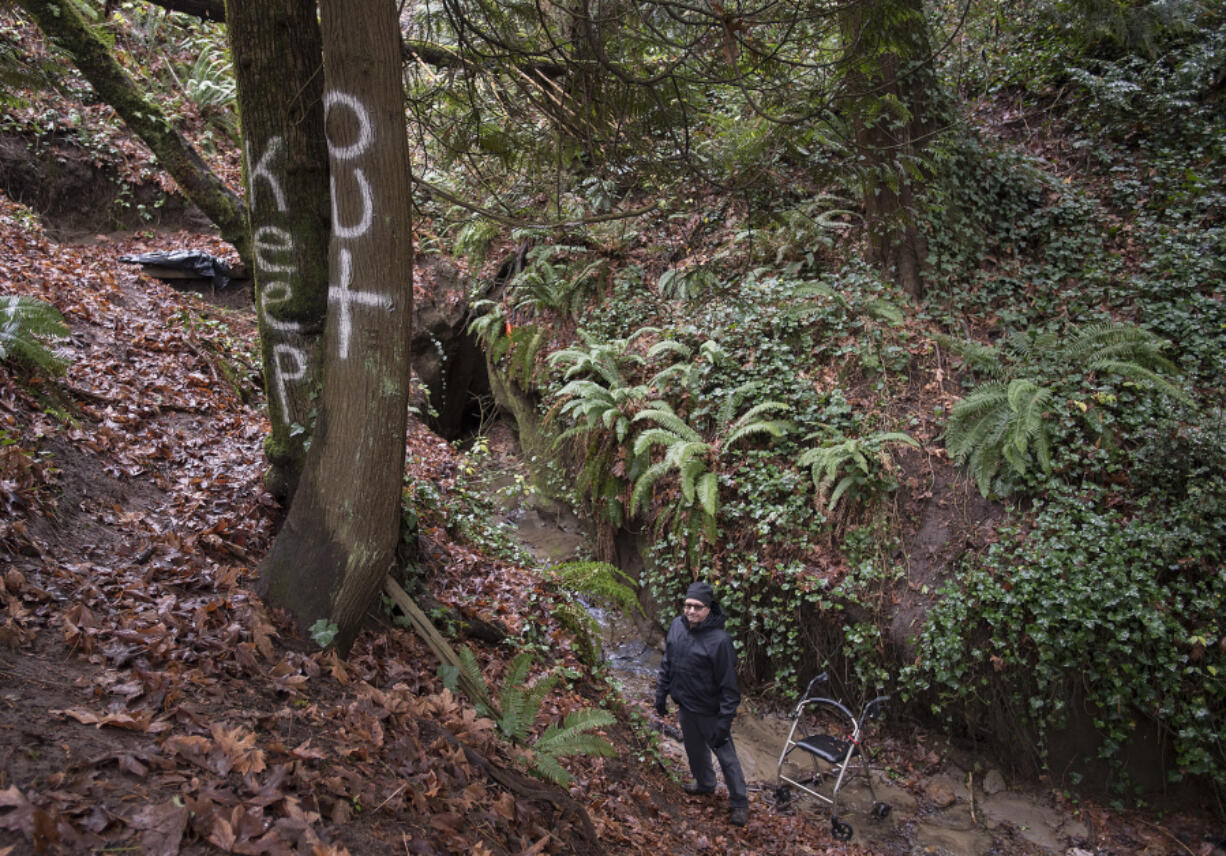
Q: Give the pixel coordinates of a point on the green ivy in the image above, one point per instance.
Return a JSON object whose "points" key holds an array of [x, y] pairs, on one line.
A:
{"points": [[1122, 609]]}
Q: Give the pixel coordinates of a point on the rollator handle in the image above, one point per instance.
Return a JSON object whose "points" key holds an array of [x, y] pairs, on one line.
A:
{"points": [[875, 707], [823, 678]]}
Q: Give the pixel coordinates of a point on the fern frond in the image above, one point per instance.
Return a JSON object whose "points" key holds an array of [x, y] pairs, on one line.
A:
{"points": [[1016, 457], [774, 427], [712, 351], [572, 737], [837, 494], [1027, 400], [676, 370], [23, 322], [602, 359], [983, 463], [518, 673], [655, 437], [983, 359], [644, 484], [979, 427], [668, 420], [1092, 339], [817, 289], [470, 669], [733, 401], [514, 721], [689, 470], [681, 454], [893, 437], [823, 462], [749, 423], [548, 768], [588, 400], [971, 419], [757, 410], [601, 581], [1042, 451], [670, 346], [642, 331], [1022, 346], [1140, 374], [534, 696], [884, 310], [707, 491]]}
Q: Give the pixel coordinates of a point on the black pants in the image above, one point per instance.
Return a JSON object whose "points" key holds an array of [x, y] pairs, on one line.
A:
{"points": [[696, 731]]}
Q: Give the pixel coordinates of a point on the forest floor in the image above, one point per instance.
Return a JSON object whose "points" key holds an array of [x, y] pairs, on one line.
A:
{"points": [[151, 703]]}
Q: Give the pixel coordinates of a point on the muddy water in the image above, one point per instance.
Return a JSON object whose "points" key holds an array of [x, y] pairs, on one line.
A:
{"points": [[952, 812]]}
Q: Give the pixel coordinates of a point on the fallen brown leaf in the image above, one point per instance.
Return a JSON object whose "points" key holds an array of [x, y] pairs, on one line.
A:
{"points": [[162, 826]]}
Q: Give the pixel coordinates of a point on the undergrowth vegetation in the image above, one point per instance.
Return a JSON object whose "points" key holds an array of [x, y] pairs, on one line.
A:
{"points": [[748, 395]]}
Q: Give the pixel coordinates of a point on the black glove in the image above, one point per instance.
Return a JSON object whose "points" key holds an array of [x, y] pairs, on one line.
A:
{"points": [[662, 706], [722, 734]]}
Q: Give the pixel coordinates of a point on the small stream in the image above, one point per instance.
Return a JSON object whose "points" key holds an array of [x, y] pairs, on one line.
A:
{"points": [[952, 812]]}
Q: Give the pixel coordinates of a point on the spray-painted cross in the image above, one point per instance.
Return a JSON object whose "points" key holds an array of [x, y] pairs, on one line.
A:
{"points": [[341, 297]]}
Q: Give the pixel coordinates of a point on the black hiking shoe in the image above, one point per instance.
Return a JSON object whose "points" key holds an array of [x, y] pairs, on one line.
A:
{"points": [[696, 790], [740, 815]]}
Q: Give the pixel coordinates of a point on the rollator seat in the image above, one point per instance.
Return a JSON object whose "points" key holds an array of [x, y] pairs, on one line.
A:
{"points": [[830, 749]]}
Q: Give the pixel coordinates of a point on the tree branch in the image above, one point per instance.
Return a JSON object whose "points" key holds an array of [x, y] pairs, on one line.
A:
{"points": [[62, 24], [207, 10]]}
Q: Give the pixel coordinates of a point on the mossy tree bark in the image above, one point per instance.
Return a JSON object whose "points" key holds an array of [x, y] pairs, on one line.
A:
{"points": [[339, 540], [278, 62], [891, 94], [62, 24]]}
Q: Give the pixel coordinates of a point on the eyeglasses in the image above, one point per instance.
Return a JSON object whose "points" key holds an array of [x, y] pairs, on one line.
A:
{"points": [[695, 607]]}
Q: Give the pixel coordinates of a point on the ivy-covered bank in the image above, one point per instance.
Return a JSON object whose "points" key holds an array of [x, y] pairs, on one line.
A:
{"points": [[1087, 614]]}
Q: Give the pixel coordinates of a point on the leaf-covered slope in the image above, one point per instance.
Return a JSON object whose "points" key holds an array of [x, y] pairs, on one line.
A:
{"points": [[155, 703]]}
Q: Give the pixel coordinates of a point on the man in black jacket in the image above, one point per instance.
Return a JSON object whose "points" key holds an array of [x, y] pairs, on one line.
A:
{"points": [[699, 672]]}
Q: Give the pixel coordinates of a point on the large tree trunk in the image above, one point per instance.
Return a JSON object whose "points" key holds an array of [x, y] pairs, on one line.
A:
{"points": [[278, 63], [891, 95], [63, 25], [340, 538]]}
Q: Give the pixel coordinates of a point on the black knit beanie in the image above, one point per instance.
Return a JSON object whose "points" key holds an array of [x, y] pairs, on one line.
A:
{"points": [[701, 592]]}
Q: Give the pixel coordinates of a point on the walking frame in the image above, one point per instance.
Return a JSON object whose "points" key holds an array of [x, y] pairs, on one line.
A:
{"points": [[834, 757]]}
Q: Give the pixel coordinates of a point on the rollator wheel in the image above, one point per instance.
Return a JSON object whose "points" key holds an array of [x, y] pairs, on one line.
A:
{"points": [[841, 831], [881, 810], [783, 796]]}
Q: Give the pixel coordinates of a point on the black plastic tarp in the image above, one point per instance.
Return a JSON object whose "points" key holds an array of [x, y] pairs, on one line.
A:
{"points": [[177, 264]]}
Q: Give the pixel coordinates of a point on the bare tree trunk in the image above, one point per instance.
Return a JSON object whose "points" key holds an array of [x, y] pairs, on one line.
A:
{"points": [[890, 92], [278, 63], [340, 538], [63, 25]]}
